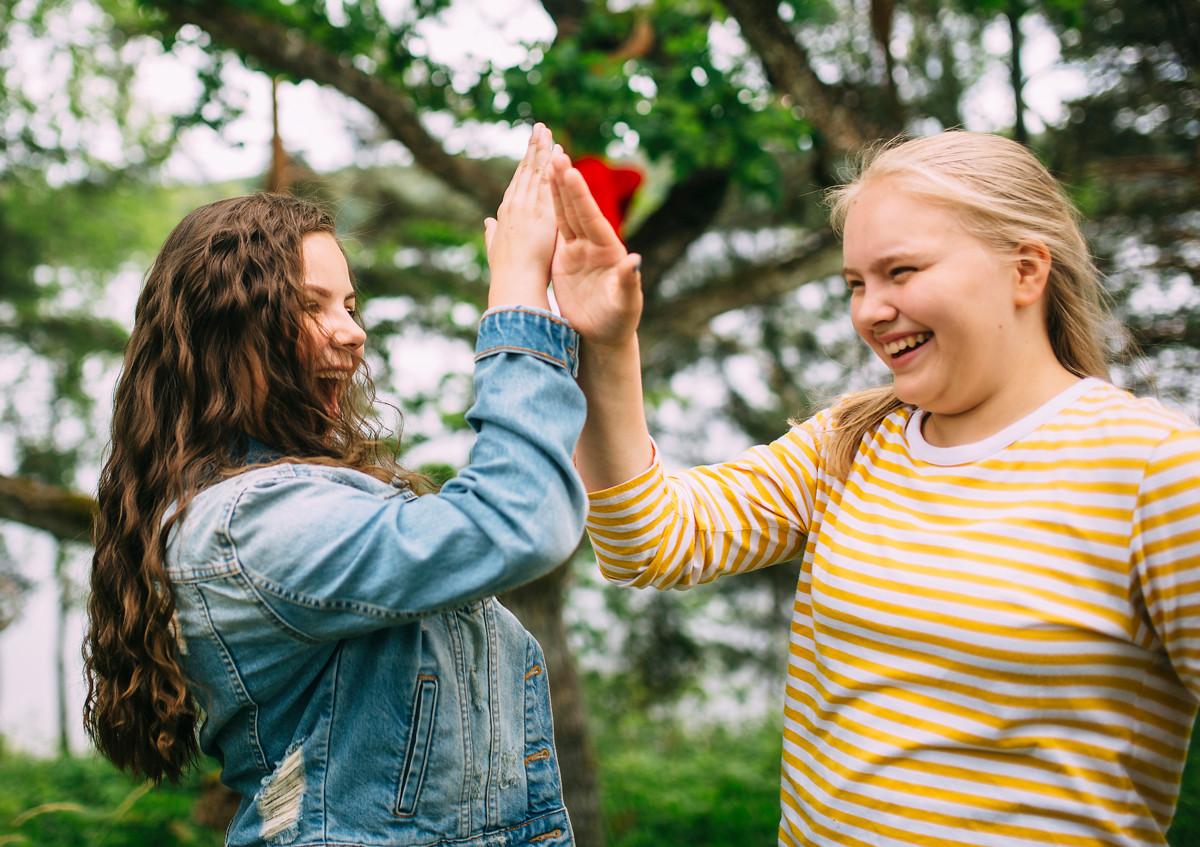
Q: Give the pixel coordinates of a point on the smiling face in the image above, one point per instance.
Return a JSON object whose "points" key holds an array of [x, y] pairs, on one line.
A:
{"points": [[335, 338], [952, 317]]}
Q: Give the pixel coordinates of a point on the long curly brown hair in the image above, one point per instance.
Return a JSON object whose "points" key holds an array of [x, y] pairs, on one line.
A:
{"points": [[218, 353]]}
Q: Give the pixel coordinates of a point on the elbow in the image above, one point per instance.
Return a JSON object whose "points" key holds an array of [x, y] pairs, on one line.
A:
{"points": [[548, 536]]}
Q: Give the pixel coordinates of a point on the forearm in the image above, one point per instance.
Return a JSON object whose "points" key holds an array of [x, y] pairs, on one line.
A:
{"points": [[615, 443]]}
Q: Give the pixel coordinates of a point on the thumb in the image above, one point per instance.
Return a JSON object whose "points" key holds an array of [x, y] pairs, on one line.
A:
{"points": [[629, 274], [489, 230]]}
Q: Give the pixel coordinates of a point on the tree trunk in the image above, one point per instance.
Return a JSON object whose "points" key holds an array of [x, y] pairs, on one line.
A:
{"points": [[60, 645], [1016, 8], [540, 605]]}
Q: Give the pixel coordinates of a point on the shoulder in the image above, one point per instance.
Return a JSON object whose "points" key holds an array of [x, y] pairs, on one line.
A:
{"points": [[1118, 417], [281, 501], [849, 415], [1138, 438]]}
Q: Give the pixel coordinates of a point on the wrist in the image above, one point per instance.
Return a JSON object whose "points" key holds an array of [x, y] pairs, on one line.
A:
{"points": [[519, 289], [529, 299], [624, 349], [604, 365]]}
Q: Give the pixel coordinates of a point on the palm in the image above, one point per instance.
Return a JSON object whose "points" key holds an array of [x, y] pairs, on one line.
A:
{"points": [[586, 288]]}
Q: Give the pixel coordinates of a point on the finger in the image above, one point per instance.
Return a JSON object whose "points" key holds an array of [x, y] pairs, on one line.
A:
{"points": [[628, 294], [540, 175], [489, 232], [543, 175], [560, 214], [629, 274], [518, 177], [529, 165], [546, 153], [560, 163], [584, 216]]}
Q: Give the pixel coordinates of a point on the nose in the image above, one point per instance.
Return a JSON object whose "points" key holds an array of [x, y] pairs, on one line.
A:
{"points": [[873, 305], [347, 333]]}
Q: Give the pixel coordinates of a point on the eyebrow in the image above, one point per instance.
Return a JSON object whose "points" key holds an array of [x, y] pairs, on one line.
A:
{"points": [[321, 291], [887, 259]]}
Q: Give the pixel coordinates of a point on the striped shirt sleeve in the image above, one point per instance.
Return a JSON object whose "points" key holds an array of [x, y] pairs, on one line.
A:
{"points": [[1166, 550], [684, 529]]}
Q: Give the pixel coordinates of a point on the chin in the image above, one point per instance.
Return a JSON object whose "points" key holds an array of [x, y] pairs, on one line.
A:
{"points": [[910, 394], [903, 390]]}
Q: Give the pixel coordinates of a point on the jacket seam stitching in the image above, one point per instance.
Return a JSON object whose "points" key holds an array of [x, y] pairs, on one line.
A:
{"points": [[515, 348], [250, 578], [232, 669]]}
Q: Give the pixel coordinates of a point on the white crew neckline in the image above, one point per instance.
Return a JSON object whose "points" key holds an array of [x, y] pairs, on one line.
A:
{"points": [[962, 454]]}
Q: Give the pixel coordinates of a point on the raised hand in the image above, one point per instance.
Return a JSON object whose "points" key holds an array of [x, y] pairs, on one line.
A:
{"points": [[597, 282], [521, 238]]}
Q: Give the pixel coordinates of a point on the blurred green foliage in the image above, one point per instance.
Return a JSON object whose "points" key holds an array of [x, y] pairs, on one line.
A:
{"points": [[662, 783], [85, 802]]}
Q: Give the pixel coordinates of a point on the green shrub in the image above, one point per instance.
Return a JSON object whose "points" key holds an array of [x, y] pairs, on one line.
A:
{"points": [[662, 786], [1185, 830], [665, 787], [85, 802]]}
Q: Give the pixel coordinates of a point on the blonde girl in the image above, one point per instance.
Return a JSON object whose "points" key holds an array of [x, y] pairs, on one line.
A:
{"points": [[996, 631]]}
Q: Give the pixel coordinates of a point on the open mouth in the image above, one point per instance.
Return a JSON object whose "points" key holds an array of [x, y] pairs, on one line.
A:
{"points": [[907, 344], [330, 387]]}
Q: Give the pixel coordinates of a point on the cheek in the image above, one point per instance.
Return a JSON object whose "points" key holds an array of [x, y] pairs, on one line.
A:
{"points": [[312, 340], [856, 320]]}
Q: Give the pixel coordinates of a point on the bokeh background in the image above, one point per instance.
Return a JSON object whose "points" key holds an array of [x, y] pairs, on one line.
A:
{"points": [[711, 130]]}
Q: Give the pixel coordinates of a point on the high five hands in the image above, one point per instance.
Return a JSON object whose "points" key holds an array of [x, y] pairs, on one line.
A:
{"points": [[549, 226]]}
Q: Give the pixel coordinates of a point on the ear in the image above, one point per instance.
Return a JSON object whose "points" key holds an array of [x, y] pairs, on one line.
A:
{"points": [[1032, 272]]}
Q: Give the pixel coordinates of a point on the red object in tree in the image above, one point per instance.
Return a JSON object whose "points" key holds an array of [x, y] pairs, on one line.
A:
{"points": [[613, 188]]}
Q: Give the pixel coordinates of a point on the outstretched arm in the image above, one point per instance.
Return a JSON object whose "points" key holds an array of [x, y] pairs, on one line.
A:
{"points": [[599, 289], [648, 529]]}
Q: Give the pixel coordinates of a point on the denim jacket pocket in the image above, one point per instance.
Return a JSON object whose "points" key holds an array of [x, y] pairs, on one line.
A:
{"points": [[420, 742]]}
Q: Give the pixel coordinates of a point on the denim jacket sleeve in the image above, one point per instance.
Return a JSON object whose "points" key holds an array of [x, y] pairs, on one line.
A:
{"points": [[331, 560]]}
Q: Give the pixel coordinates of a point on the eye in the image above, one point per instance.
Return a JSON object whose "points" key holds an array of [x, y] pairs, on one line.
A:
{"points": [[903, 271], [352, 310], [854, 285], [312, 306]]}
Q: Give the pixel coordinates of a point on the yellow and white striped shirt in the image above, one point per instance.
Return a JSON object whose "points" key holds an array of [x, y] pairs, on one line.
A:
{"points": [[992, 644]]}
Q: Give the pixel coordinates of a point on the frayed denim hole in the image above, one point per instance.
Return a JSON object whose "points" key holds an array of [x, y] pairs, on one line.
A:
{"points": [[280, 800]]}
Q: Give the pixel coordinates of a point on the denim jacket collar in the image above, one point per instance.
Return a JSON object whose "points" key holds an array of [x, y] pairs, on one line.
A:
{"points": [[256, 452]]}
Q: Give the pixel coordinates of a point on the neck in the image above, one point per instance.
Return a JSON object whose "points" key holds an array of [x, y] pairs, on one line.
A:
{"points": [[1031, 381]]}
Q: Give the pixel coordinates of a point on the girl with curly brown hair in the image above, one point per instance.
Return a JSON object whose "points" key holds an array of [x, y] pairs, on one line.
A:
{"points": [[271, 587]]}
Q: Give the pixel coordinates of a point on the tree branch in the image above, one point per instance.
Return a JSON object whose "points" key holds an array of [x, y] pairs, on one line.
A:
{"points": [[67, 331], [287, 50], [567, 16], [790, 71], [1150, 335], [67, 515], [689, 313], [685, 215]]}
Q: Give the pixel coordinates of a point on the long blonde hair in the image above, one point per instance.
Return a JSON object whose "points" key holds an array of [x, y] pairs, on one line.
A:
{"points": [[1003, 196]]}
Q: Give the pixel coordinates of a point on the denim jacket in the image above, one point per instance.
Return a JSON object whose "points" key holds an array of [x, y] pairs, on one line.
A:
{"points": [[360, 685]]}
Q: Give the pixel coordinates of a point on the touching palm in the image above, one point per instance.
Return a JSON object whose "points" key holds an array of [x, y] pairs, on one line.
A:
{"points": [[596, 280]]}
